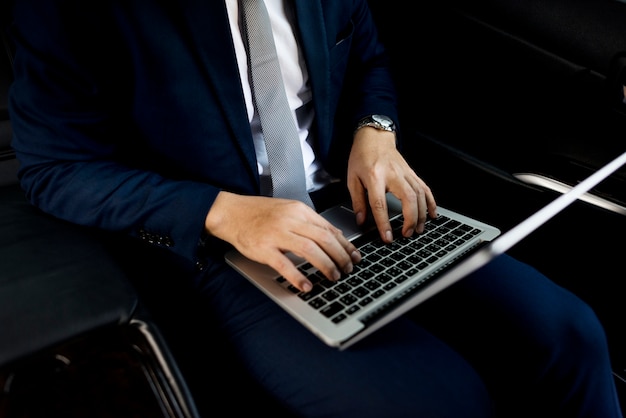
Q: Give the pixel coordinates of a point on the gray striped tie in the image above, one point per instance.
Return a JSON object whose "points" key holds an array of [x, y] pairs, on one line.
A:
{"points": [[279, 129]]}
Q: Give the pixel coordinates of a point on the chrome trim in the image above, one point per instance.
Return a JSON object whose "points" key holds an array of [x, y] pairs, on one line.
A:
{"points": [[560, 187], [181, 408]]}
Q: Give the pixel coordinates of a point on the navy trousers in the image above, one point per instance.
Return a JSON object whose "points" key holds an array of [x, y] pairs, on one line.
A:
{"points": [[503, 342]]}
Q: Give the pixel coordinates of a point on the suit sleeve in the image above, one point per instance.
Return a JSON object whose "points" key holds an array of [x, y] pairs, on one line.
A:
{"points": [[74, 136], [360, 69], [369, 77]]}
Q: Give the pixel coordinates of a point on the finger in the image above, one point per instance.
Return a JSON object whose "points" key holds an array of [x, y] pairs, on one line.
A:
{"points": [[287, 269], [346, 248], [378, 205], [431, 202], [359, 200], [421, 212], [325, 247], [427, 205], [410, 211], [418, 205]]}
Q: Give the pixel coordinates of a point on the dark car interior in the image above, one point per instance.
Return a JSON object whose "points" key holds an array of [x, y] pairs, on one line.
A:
{"points": [[509, 101], [504, 105]]}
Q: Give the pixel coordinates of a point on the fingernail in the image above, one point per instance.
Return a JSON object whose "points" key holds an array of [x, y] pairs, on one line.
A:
{"points": [[389, 236], [355, 256], [306, 287], [336, 275], [348, 268]]}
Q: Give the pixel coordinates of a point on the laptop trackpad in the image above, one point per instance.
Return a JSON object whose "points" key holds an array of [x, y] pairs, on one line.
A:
{"points": [[343, 218]]}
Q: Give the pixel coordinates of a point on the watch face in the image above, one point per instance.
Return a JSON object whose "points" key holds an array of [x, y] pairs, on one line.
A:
{"points": [[383, 120], [377, 121]]}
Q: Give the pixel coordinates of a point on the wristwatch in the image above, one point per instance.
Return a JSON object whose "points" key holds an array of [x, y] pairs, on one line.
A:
{"points": [[382, 122]]}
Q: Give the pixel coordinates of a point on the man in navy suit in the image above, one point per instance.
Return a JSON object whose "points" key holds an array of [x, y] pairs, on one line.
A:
{"points": [[137, 117]]}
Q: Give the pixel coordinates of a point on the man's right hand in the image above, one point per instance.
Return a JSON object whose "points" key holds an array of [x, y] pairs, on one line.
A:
{"points": [[264, 229]]}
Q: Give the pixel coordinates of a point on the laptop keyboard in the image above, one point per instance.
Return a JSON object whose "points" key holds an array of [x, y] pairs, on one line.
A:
{"points": [[383, 266]]}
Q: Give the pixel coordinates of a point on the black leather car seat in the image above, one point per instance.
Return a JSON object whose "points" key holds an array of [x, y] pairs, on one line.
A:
{"points": [[74, 338]]}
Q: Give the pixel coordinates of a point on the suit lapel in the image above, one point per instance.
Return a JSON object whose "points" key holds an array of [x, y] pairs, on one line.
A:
{"points": [[310, 20], [210, 31], [209, 27]]}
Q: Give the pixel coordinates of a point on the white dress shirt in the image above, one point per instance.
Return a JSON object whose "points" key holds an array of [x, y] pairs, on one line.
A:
{"points": [[298, 91]]}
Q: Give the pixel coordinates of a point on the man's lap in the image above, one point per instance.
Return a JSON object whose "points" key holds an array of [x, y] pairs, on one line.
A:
{"points": [[401, 366], [498, 319]]}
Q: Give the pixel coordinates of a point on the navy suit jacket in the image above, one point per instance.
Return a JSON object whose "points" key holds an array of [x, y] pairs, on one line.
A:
{"points": [[128, 115]]}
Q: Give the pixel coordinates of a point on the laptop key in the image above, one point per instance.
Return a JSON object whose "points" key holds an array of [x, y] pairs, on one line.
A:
{"points": [[383, 267], [331, 309]]}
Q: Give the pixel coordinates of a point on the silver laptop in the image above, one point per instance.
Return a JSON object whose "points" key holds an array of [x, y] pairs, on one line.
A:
{"points": [[394, 278]]}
